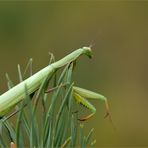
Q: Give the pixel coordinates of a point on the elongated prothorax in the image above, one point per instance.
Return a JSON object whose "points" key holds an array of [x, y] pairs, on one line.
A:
{"points": [[13, 96]]}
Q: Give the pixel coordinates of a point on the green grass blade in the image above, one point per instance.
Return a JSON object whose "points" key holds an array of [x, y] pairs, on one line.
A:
{"points": [[11, 130], [28, 67], [50, 112], [9, 82], [82, 137], [26, 124], [19, 139], [19, 73], [60, 129], [63, 106], [42, 89], [93, 143], [48, 141], [52, 58], [34, 136], [2, 142], [73, 132], [62, 76], [60, 118], [69, 101], [89, 136], [67, 96], [66, 142]]}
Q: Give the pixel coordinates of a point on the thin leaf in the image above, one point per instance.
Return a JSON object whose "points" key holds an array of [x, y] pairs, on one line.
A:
{"points": [[66, 142], [89, 136], [19, 73], [9, 82], [73, 132], [82, 137], [28, 67], [11, 130], [41, 90], [52, 58]]}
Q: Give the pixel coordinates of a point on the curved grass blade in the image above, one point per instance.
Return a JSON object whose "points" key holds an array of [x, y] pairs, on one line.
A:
{"points": [[19, 73], [2, 143], [66, 104], [11, 130], [52, 58], [60, 126], [59, 130], [42, 89], [73, 132], [48, 132], [66, 142], [89, 136], [9, 82], [93, 143], [82, 137], [28, 67]]}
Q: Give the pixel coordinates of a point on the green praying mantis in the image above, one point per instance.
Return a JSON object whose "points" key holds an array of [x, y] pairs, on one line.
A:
{"points": [[12, 97]]}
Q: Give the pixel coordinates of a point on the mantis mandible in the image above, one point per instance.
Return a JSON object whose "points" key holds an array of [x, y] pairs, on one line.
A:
{"points": [[16, 94]]}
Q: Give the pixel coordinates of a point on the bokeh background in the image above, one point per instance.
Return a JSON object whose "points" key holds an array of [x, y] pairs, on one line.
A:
{"points": [[118, 32]]}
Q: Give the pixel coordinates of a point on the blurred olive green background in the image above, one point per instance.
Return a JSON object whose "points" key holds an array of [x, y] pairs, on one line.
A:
{"points": [[118, 32]]}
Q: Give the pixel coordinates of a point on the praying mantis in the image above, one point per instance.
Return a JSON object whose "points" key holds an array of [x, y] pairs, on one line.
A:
{"points": [[12, 97]]}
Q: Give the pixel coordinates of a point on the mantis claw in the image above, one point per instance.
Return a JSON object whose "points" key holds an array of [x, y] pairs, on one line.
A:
{"points": [[86, 118]]}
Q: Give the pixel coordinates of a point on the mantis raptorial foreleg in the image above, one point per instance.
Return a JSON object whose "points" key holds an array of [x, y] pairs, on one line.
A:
{"points": [[80, 94]]}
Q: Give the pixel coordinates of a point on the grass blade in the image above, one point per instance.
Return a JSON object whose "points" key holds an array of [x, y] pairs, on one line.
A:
{"points": [[73, 132], [89, 136], [9, 82], [19, 73], [28, 67]]}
